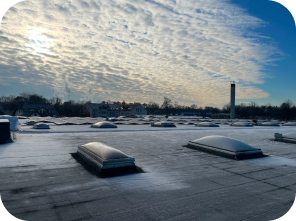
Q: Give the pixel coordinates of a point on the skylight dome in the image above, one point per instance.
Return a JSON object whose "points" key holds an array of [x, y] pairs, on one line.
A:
{"points": [[31, 122], [268, 124], [241, 124], [103, 157], [104, 124], [163, 124], [287, 138], [226, 146], [289, 124], [206, 124], [291, 135], [41, 126]]}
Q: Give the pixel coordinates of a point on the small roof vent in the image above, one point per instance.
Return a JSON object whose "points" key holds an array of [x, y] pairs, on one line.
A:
{"points": [[103, 124], [226, 146], [103, 157], [241, 124], [31, 122], [206, 124]]}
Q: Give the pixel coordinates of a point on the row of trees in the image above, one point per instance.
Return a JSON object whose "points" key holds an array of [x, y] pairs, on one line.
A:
{"points": [[286, 111]]}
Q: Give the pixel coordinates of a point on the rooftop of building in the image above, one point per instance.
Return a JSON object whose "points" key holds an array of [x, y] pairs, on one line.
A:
{"points": [[41, 179]]}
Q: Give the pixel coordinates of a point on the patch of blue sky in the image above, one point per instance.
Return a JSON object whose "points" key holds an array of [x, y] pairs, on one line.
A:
{"points": [[126, 26], [279, 31], [126, 42], [85, 25], [131, 63]]}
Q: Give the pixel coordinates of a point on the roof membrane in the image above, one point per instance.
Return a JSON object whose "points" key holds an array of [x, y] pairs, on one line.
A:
{"points": [[226, 146]]}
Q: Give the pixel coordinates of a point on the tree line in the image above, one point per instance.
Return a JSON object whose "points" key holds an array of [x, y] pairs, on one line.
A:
{"points": [[286, 111]]}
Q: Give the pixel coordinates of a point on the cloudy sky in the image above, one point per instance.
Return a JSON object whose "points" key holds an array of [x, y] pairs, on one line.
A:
{"points": [[143, 50]]}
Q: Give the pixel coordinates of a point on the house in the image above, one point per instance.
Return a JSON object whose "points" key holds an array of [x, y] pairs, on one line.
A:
{"points": [[136, 109], [113, 110], [39, 110], [102, 110]]}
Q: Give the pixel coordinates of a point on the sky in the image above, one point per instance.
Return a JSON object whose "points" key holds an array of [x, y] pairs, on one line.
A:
{"points": [[143, 50]]}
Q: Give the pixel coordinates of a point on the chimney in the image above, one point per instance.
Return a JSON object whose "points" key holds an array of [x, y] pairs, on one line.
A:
{"points": [[232, 100]]}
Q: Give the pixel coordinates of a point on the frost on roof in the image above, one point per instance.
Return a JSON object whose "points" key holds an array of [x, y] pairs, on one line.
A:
{"points": [[226, 146]]}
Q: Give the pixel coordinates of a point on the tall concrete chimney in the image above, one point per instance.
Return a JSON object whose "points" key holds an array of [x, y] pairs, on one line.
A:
{"points": [[232, 100]]}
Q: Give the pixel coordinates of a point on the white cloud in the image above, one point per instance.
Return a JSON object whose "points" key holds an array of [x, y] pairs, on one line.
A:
{"points": [[138, 50]]}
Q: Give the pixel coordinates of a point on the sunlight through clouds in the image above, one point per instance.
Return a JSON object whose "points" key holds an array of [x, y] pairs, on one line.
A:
{"points": [[137, 50]]}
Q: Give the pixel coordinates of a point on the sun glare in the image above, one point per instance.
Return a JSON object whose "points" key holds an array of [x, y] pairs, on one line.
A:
{"points": [[38, 41]]}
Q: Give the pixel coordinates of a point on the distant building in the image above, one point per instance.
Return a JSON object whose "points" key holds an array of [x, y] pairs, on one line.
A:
{"points": [[39, 110], [113, 110], [136, 109], [102, 110]]}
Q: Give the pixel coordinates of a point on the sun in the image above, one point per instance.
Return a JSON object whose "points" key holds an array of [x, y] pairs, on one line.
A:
{"points": [[39, 42]]}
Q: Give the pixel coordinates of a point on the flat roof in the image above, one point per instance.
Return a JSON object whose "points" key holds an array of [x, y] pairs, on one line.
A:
{"points": [[40, 178]]}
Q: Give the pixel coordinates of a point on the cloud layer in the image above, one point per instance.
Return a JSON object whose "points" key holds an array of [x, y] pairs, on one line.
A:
{"points": [[135, 50]]}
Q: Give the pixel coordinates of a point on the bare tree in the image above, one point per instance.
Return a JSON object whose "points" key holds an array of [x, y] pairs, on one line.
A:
{"points": [[166, 105]]}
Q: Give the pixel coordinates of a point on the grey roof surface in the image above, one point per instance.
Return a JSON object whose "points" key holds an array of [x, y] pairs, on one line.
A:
{"points": [[40, 180]]}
